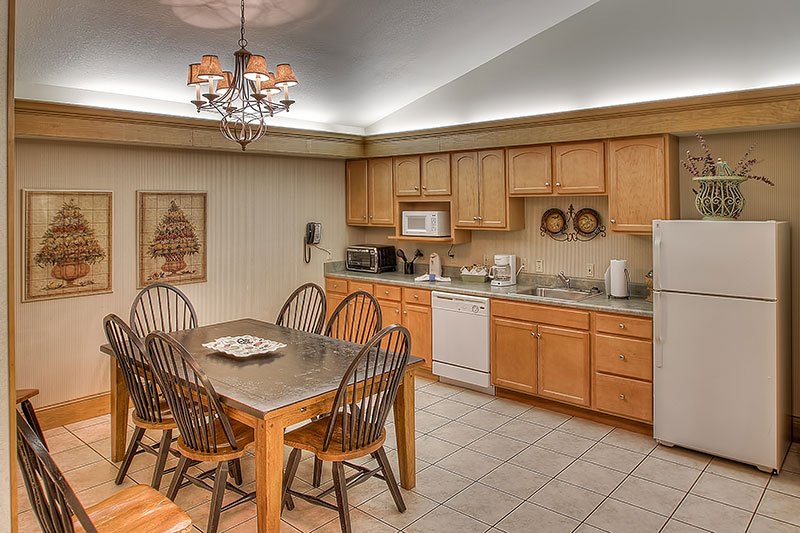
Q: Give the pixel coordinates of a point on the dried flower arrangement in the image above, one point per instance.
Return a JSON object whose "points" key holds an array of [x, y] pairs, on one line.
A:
{"points": [[705, 165]]}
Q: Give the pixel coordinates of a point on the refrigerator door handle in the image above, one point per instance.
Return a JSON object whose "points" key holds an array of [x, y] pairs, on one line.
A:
{"points": [[656, 255], [658, 331]]}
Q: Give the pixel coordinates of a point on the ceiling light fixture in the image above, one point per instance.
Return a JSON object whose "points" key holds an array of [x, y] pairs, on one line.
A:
{"points": [[243, 97]]}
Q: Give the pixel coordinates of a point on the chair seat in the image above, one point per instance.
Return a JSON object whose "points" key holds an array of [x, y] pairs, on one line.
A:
{"points": [[311, 437], [167, 421], [137, 509], [245, 439]]}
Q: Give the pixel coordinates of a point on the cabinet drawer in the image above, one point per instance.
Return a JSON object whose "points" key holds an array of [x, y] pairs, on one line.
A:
{"points": [[353, 286], [541, 314], [624, 325], [624, 397], [336, 285], [387, 292], [417, 296], [623, 356]]}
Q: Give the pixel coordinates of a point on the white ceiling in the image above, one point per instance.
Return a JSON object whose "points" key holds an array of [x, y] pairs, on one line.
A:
{"points": [[377, 66], [357, 60]]}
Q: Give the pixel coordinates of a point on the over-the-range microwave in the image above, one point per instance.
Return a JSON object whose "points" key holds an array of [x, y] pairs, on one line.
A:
{"points": [[426, 223]]}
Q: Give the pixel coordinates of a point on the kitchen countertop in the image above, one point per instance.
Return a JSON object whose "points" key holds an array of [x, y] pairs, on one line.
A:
{"points": [[633, 306]]}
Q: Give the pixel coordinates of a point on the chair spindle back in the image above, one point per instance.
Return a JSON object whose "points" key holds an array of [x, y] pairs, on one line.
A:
{"points": [[304, 310], [161, 307], [356, 319]]}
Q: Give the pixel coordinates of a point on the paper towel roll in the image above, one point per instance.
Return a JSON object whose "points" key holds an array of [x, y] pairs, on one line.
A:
{"points": [[619, 278]]}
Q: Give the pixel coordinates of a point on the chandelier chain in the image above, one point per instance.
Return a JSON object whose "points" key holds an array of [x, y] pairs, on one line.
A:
{"points": [[242, 40]]}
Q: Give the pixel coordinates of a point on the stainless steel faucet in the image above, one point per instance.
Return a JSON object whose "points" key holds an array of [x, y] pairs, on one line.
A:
{"points": [[563, 277]]}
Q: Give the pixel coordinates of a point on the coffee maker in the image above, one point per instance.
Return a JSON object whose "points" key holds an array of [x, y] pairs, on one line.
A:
{"points": [[504, 270]]}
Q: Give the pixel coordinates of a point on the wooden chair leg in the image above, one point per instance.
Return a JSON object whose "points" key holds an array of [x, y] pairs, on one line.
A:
{"points": [[220, 481], [235, 468], [163, 454], [133, 445], [288, 478], [383, 461], [317, 479], [340, 486], [177, 477]]}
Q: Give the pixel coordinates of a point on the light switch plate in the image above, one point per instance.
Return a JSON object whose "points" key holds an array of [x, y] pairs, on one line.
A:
{"points": [[589, 270], [539, 266]]}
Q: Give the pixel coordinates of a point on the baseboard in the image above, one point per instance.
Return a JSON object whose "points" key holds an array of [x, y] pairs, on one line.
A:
{"points": [[572, 410], [61, 414]]}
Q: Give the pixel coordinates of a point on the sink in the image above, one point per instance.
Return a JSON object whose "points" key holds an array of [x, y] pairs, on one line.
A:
{"points": [[574, 295]]}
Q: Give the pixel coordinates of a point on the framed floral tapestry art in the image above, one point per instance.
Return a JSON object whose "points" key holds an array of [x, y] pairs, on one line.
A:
{"points": [[67, 242], [172, 237]]}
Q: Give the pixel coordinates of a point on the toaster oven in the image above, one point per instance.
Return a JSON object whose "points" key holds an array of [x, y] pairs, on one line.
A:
{"points": [[374, 258]]}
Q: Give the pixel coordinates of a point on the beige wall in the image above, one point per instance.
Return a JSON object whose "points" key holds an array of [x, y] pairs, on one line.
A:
{"points": [[257, 210], [779, 152], [528, 244], [5, 503]]}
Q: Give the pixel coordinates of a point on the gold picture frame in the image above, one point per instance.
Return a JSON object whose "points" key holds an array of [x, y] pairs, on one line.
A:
{"points": [[67, 243], [171, 237]]}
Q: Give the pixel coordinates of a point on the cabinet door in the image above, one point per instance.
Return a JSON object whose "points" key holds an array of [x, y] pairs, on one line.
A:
{"points": [[356, 185], [467, 183], [514, 355], [579, 168], [331, 301], [417, 318], [564, 372], [529, 170], [492, 197], [381, 192], [391, 312], [436, 175], [406, 175], [636, 182]]}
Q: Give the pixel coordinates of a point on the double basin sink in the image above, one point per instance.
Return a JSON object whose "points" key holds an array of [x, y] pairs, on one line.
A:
{"points": [[572, 295]]}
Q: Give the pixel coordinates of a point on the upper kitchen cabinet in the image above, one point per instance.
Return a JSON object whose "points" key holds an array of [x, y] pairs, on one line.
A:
{"points": [[407, 176], [481, 200], [579, 168], [356, 184], [529, 170], [642, 182], [436, 175]]}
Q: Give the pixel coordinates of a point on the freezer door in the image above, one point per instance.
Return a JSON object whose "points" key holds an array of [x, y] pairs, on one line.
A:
{"points": [[714, 376], [722, 258]]}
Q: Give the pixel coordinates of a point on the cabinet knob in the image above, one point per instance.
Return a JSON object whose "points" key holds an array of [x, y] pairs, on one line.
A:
{"points": [[386, 293], [405, 312], [365, 216], [416, 188], [533, 333], [613, 220], [546, 183], [424, 188], [397, 311], [621, 357], [370, 217], [558, 184], [621, 396], [480, 218], [474, 218], [621, 325], [416, 296]]}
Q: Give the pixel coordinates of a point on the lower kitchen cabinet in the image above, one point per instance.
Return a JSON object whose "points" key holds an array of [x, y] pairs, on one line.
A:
{"points": [[391, 312], [417, 319], [514, 359], [332, 300], [564, 367]]}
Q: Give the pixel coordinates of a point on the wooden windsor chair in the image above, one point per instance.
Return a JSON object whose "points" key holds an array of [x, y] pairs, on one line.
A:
{"points": [[139, 509], [355, 426], [206, 432], [304, 310], [23, 397], [161, 307]]}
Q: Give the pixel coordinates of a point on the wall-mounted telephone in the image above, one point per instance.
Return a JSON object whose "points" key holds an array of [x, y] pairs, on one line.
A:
{"points": [[311, 239]]}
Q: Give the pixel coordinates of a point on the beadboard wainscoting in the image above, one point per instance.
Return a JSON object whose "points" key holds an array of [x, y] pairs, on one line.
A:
{"points": [[779, 153], [257, 210]]}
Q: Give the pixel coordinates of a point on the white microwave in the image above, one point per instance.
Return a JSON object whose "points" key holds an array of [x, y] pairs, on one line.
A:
{"points": [[426, 223]]}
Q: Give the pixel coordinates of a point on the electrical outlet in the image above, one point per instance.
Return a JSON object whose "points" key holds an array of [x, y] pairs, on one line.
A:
{"points": [[539, 266], [589, 270]]}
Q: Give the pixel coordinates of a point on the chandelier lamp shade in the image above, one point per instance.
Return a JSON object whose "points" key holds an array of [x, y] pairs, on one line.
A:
{"points": [[244, 97]]}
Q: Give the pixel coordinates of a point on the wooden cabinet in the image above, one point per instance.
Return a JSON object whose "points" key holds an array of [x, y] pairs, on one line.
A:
{"points": [[391, 312], [529, 170], [356, 186], [417, 318], [514, 357], [579, 168], [407, 176], [435, 175], [564, 372], [380, 185], [481, 200], [642, 182]]}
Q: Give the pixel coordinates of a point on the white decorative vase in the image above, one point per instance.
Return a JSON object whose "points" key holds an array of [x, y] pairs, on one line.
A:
{"points": [[719, 197]]}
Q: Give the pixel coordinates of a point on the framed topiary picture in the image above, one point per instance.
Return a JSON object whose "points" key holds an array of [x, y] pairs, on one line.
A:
{"points": [[67, 241], [172, 237]]}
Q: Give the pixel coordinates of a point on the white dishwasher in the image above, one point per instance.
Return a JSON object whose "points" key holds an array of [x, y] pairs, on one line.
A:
{"points": [[461, 339]]}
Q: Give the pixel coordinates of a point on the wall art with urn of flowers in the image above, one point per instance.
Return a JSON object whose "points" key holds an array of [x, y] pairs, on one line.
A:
{"points": [[67, 240], [172, 237]]}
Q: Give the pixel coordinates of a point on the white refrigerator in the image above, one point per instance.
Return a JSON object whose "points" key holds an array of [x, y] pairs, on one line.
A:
{"points": [[722, 338]]}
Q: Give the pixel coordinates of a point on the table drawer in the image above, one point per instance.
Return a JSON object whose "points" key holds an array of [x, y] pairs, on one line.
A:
{"points": [[625, 397], [353, 286], [417, 296], [624, 325], [541, 314], [623, 356], [336, 285], [388, 292]]}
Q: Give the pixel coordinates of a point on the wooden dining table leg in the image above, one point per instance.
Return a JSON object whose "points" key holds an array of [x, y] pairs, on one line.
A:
{"points": [[269, 475], [405, 432], [119, 413]]}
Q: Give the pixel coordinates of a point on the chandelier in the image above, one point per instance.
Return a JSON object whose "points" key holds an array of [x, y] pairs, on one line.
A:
{"points": [[245, 97]]}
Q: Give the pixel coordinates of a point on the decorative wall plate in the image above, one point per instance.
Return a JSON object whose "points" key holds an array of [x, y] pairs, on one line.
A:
{"points": [[554, 222], [587, 221]]}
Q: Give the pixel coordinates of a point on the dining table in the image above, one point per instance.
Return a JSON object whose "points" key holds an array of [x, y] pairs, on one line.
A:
{"points": [[270, 392]]}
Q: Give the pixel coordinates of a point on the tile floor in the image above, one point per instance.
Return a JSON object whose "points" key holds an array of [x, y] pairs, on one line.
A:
{"points": [[489, 464]]}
